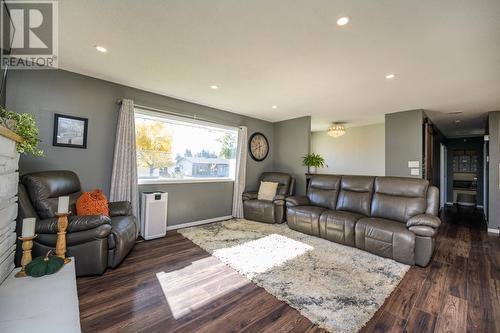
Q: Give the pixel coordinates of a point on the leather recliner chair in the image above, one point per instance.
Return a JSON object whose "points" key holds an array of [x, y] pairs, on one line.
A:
{"points": [[96, 242], [392, 217], [269, 211]]}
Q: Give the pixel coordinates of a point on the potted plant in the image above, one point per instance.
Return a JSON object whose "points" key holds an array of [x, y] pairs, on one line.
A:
{"points": [[313, 161], [23, 124]]}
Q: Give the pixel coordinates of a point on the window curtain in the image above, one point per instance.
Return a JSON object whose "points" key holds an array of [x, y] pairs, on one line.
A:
{"points": [[124, 176], [241, 172]]}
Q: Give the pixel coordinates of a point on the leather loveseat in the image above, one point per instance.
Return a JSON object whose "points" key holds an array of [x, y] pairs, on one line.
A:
{"points": [[269, 211], [96, 242], [392, 217]]}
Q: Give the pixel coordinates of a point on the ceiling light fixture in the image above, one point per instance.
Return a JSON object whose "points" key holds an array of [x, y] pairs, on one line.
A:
{"points": [[101, 49], [274, 106], [390, 76], [343, 20], [214, 87], [336, 130]]}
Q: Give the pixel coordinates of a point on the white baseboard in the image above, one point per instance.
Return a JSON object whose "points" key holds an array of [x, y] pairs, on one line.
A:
{"points": [[449, 203], [195, 223], [494, 231]]}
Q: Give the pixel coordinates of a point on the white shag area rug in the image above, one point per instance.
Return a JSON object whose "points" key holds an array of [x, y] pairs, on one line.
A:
{"points": [[337, 287]]}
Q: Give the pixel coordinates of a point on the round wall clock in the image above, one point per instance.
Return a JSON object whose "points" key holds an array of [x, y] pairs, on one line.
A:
{"points": [[258, 146]]}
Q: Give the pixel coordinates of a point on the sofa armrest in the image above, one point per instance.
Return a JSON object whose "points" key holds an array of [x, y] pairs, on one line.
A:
{"points": [[296, 201], [423, 230], [75, 223], [249, 195], [424, 220], [279, 200], [120, 208]]}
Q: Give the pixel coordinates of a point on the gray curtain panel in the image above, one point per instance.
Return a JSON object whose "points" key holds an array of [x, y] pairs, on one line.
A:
{"points": [[241, 172], [124, 177]]}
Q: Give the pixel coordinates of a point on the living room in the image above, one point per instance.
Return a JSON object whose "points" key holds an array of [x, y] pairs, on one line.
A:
{"points": [[187, 166]]}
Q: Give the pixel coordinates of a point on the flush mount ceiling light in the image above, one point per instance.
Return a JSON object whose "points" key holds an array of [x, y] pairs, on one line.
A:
{"points": [[274, 107], [343, 20], [101, 49], [390, 76], [336, 130], [214, 87]]}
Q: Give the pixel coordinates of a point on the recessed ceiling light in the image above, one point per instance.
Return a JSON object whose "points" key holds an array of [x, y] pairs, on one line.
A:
{"points": [[390, 76], [343, 20], [458, 121], [214, 87], [274, 106], [101, 49]]}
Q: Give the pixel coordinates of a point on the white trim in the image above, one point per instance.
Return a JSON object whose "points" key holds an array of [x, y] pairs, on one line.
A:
{"points": [[494, 231], [479, 206], [184, 181], [183, 119], [449, 203], [195, 223]]}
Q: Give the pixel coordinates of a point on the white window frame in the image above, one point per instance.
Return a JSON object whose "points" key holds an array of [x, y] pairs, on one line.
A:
{"points": [[158, 114]]}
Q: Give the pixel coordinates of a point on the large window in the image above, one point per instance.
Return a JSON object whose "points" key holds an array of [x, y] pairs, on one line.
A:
{"points": [[173, 149]]}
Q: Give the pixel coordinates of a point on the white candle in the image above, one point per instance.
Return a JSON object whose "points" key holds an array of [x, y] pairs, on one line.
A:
{"points": [[63, 206], [28, 227]]}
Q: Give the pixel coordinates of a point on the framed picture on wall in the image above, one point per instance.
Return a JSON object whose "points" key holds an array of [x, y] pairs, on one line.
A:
{"points": [[70, 131]]}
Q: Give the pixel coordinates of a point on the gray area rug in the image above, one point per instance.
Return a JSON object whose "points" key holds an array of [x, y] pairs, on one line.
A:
{"points": [[337, 287]]}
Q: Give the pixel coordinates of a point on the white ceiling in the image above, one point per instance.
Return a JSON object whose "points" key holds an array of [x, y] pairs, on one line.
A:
{"points": [[290, 53]]}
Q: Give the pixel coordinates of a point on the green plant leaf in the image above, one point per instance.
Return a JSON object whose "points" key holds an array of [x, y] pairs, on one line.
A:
{"points": [[313, 160], [25, 127]]}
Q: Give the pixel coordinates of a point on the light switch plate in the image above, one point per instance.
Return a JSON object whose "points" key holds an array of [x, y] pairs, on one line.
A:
{"points": [[415, 172], [413, 164]]}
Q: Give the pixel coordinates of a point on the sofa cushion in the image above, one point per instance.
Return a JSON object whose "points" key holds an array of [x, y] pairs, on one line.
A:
{"points": [[338, 226], [356, 194], [259, 210], [386, 238], [399, 198], [284, 180], [267, 191], [304, 219], [45, 188], [323, 190]]}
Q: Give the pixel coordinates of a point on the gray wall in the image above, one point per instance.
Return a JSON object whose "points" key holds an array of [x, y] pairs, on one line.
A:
{"points": [[403, 142], [292, 140], [46, 92], [361, 151], [493, 184]]}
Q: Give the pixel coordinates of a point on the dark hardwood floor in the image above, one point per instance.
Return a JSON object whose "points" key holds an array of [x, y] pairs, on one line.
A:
{"points": [[171, 285]]}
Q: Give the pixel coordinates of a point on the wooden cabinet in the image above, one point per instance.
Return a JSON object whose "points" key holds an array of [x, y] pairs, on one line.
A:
{"points": [[9, 178]]}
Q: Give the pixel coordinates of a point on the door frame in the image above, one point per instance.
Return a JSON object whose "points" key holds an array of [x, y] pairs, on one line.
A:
{"points": [[443, 168]]}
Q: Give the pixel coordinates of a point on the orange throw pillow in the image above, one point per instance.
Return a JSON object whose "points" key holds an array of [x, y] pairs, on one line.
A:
{"points": [[92, 203]]}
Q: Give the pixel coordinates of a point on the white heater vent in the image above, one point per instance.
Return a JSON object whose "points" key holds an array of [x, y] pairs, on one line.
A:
{"points": [[153, 214]]}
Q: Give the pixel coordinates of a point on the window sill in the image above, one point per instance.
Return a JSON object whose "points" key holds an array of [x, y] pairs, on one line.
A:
{"points": [[184, 181]]}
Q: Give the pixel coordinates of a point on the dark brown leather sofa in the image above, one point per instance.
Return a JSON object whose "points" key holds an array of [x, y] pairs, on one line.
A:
{"points": [[392, 217], [96, 242], [269, 211]]}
